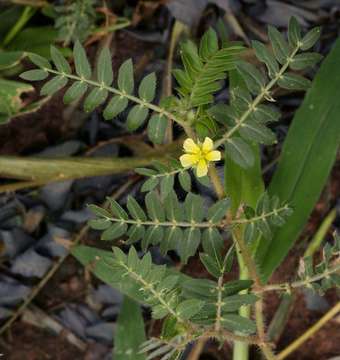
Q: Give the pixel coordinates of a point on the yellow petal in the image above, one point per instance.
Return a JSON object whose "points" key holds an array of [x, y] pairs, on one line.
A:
{"points": [[214, 155], [188, 160], [202, 168], [208, 145], [191, 147]]}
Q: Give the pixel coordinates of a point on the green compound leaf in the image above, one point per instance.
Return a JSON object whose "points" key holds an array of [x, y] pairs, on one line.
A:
{"points": [[204, 68]]}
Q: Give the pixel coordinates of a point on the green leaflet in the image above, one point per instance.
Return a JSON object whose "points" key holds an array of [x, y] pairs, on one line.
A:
{"points": [[130, 332], [125, 77], [83, 67], [188, 308], [53, 85], [157, 126], [308, 155], [115, 106], [280, 46], [294, 32], [147, 88], [238, 323], [240, 152], [95, 98], [104, 67], [136, 117], [75, 91], [39, 61], [294, 82], [59, 61], [34, 75]]}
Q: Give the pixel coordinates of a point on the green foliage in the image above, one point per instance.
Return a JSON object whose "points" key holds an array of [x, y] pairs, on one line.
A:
{"points": [[74, 20], [325, 274], [308, 154], [245, 117], [101, 88], [192, 308], [182, 226], [204, 67], [164, 175]]}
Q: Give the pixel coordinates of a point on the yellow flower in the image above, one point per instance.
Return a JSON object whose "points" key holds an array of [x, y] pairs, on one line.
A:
{"points": [[199, 155]]}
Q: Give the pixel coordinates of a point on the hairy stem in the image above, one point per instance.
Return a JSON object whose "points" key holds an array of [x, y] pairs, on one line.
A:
{"points": [[260, 324], [223, 225], [251, 266], [216, 181], [246, 256]]}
